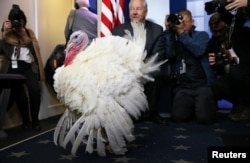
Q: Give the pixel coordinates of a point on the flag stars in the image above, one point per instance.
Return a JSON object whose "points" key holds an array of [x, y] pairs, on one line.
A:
{"points": [[44, 141], [181, 137], [144, 128], [18, 154], [180, 161], [181, 147], [219, 130], [180, 129], [140, 135], [123, 159], [67, 157]]}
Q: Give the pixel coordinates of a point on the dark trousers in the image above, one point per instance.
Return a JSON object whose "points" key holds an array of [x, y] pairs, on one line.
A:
{"points": [[234, 86], [27, 100], [197, 102], [152, 91], [240, 77]]}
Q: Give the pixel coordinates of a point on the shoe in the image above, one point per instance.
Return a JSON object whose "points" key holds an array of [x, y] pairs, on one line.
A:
{"points": [[242, 115], [26, 126], [159, 120], [36, 127]]}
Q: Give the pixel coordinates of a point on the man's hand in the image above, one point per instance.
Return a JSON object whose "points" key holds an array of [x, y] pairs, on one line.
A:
{"points": [[235, 4], [179, 29], [211, 59], [166, 22]]}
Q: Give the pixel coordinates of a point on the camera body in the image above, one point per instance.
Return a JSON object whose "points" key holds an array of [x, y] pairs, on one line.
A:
{"points": [[215, 5], [174, 19], [15, 19], [15, 24], [221, 59]]}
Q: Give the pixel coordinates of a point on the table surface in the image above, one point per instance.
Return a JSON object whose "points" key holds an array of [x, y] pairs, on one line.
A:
{"points": [[11, 77]]}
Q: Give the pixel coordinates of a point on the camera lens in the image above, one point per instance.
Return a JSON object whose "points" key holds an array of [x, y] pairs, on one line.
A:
{"points": [[174, 19]]}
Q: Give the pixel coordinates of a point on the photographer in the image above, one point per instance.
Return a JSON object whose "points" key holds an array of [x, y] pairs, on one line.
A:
{"points": [[186, 49], [21, 53], [233, 85]]}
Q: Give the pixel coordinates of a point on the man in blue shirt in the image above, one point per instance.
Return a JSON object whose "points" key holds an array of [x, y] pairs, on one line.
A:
{"points": [[186, 49]]}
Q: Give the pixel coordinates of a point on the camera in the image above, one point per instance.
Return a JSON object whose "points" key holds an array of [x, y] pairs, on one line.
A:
{"points": [[15, 24], [221, 59], [174, 79], [174, 19], [15, 19], [215, 5]]}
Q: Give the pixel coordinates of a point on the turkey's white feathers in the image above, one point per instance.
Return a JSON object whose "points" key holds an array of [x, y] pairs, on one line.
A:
{"points": [[100, 143], [102, 90]]}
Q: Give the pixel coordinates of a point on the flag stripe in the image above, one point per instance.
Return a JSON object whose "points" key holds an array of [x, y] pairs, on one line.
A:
{"points": [[112, 14], [121, 11]]}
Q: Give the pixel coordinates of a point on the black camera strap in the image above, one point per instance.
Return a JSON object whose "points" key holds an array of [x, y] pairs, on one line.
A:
{"points": [[230, 32]]}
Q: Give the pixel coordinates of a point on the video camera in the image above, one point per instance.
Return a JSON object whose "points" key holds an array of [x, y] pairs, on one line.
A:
{"points": [[215, 5], [174, 19]]}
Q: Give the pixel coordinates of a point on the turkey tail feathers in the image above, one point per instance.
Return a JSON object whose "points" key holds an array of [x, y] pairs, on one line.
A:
{"points": [[115, 131], [151, 65]]}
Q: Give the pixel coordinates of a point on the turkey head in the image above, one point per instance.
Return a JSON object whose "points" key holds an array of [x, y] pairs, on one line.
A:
{"points": [[77, 42]]}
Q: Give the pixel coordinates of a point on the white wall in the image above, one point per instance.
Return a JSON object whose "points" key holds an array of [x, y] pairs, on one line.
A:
{"points": [[158, 10], [27, 6], [199, 14]]}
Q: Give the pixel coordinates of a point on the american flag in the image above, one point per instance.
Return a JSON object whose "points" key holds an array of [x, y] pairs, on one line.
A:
{"points": [[112, 14]]}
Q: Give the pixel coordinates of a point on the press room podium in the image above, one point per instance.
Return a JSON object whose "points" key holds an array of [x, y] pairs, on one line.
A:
{"points": [[6, 81]]}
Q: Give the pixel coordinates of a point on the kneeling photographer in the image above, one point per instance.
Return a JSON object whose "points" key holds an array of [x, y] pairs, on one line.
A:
{"points": [[186, 50], [229, 50]]}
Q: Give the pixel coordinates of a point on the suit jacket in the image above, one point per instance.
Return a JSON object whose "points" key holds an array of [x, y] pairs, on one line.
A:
{"points": [[83, 20], [154, 44]]}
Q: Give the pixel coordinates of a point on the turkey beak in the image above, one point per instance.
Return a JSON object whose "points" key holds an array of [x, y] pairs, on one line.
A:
{"points": [[70, 45]]}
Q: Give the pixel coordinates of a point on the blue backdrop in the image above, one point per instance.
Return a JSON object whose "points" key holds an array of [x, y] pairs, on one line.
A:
{"points": [[176, 5]]}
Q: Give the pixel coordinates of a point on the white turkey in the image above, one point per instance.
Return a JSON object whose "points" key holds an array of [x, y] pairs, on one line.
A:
{"points": [[102, 89]]}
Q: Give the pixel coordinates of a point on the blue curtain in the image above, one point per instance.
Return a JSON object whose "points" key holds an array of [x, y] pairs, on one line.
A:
{"points": [[176, 5], [93, 6], [126, 11]]}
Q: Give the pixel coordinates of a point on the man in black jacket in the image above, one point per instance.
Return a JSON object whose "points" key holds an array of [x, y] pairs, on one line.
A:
{"points": [[154, 44]]}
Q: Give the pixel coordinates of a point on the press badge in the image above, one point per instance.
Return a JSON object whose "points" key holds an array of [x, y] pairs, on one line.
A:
{"points": [[182, 67], [14, 64]]}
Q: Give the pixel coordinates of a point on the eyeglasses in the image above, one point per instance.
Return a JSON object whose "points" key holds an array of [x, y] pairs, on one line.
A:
{"points": [[136, 8]]}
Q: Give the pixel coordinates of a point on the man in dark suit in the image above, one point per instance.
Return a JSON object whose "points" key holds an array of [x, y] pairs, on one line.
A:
{"points": [[83, 19], [154, 44]]}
